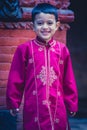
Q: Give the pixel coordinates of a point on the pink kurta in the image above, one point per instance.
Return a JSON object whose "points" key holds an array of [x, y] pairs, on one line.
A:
{"points": [[45, 75]]}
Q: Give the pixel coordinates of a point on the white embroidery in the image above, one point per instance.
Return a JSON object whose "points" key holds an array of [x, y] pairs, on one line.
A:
{"points": [[57, 120], [58, 93], [34, 92], [52, 49], [53, 76], [43, 77], [45, 102], [36, 119], [49, 102], [40, 48], [30, 60], [61, 62]]}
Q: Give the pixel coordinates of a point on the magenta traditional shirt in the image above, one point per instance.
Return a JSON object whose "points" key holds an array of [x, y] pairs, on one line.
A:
{"points": [[44, 74]]}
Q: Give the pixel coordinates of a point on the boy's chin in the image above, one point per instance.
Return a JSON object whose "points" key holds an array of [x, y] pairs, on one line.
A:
{"points": [[45, 39]]}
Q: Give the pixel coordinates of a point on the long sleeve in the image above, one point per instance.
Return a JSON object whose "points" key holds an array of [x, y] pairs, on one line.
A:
{"points": [[15, 85], [69, 85]]}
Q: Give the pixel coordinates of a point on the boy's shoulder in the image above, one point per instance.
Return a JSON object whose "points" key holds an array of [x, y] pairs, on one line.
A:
{"points": [[24, 45], [63, 47]]}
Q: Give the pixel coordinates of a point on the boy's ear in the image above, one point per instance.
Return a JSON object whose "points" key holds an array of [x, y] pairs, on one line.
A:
{"points": [[57, 25]]}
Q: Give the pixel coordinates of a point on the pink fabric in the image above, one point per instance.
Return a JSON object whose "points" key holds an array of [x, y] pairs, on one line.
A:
{"points": [[45, 75]]}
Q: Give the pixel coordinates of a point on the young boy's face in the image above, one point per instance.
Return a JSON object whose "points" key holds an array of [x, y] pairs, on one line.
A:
{"points": [[45, 26]]}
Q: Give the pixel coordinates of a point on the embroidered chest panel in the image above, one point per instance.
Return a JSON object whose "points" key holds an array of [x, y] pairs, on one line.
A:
{"points": [[47, 76]]}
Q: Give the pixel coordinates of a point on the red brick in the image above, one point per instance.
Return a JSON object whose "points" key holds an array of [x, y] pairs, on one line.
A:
{"points": [[7, 49], [2, 92], [10, 41], [17, 33], [4, 75], [60, 36], [5, 66], [3, 83], [2, 100], [6, 58]]}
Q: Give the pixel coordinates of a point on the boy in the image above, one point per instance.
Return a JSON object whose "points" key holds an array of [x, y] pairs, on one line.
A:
{"points": [[42, 71]]}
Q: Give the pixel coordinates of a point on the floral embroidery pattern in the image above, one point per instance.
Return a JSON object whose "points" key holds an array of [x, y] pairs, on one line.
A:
{"points": [[53, 76], [30, 60], [43, 76]]}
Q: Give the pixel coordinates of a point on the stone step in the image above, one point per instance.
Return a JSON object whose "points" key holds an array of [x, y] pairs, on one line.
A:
{"points": [[78, 123]]}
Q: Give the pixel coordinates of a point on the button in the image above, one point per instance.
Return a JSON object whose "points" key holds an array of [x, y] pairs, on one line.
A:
{"points": [[40, 49]]}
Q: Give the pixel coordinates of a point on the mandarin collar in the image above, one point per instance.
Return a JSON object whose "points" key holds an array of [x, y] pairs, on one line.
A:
{"points": [[43, 43]]}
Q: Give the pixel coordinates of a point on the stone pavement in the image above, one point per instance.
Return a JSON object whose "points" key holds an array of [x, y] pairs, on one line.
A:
{"points": [[78, 123]]}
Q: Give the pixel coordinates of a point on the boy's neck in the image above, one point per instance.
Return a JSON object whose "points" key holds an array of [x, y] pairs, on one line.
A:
{"points": [[43, 42]]}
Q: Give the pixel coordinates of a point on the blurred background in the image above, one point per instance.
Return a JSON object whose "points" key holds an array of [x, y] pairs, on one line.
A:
{"points": [[77, 43]]}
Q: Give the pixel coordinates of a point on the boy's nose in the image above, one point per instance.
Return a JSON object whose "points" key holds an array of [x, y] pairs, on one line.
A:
{"points": [[45, 25]]}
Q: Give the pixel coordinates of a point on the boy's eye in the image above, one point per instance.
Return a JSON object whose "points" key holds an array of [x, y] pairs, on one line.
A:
{"points": [[42, 23], [39, 23], [50, 22]]}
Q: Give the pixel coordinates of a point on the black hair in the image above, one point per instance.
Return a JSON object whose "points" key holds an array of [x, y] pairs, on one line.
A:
{"points": [[45, 8]]}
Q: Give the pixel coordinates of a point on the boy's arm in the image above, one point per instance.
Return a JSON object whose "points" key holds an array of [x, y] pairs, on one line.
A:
{"points": [[69, 86], [15, 85], [14, 112]]}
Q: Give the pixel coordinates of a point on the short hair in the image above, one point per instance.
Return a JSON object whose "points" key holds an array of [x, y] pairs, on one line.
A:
{"points": [[44, 8]]}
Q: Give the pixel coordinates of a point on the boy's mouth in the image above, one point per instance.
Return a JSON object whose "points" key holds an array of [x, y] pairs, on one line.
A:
{"points": [[45, 32]]}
